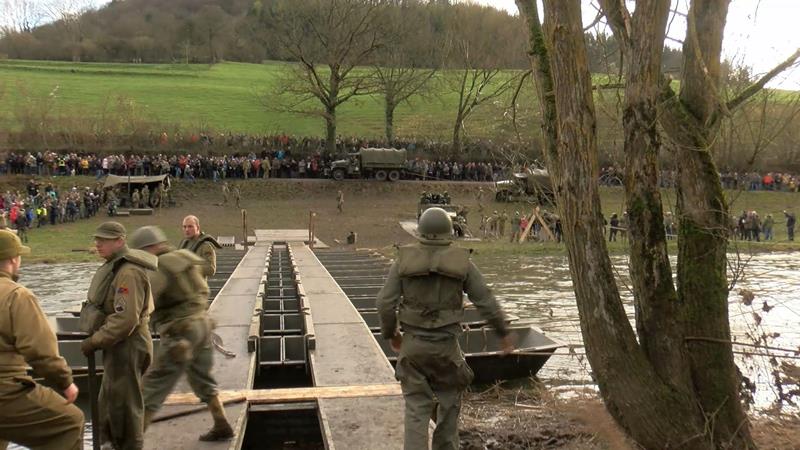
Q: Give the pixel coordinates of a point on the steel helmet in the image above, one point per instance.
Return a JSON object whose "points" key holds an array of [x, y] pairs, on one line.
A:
{"points": [[435, 224], [146, 236]]}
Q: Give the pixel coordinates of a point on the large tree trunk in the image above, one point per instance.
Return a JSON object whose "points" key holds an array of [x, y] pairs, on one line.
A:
{"points": [[332, 101], [330, 130], [653, 412], [704, 225], [389, 107], [658, 323], [457, 129]]}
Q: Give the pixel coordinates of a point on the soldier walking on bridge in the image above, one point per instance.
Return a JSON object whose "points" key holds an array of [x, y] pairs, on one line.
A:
{"points": [[180, 294], [423, 291]]}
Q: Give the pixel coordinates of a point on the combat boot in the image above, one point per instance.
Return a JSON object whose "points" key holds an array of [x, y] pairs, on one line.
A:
{"points": [[222, 429], [148, 417]]}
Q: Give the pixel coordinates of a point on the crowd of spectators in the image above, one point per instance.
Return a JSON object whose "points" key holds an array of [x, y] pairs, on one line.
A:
{"points": [[39, 206], [266, 164], [750, 181], [287, 163]]}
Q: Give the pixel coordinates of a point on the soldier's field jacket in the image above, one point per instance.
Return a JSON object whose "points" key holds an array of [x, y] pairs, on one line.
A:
{"points": [[203, 245], [122, 290], [179, 288], [26, 339], [425, 286]]}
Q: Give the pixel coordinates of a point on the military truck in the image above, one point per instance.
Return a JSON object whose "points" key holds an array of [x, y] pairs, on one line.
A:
{"points": [[457, 213], [533, 186], [379, 163]]}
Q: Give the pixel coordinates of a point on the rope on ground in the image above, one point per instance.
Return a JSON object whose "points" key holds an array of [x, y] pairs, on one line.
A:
{"points": [[216, 340]]}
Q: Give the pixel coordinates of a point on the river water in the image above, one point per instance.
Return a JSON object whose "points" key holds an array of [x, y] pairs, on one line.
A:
{"points": [[539, 288]]}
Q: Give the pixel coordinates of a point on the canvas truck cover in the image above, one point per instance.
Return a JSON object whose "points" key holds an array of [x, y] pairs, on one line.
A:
{"points": [[383, 157], [537, 180], [114, 180]]}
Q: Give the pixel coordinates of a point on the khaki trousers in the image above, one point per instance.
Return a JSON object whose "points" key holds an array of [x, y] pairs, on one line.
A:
{"points": [[432, 371], [38, 418]]}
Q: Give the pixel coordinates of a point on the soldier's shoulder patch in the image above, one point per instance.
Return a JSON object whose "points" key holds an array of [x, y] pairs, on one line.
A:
{"points": [[122, 290]]}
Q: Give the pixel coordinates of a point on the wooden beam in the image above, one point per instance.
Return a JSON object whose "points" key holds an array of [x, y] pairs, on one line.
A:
{"points": [[289, 395], [527, 229], [545, 227]]}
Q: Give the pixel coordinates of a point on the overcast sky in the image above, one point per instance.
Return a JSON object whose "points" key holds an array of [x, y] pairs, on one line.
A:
{"points": [[759, 33]]}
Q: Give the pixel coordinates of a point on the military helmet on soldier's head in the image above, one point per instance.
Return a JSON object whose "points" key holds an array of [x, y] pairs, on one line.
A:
{"points": [[435, 224], [146, 236]]}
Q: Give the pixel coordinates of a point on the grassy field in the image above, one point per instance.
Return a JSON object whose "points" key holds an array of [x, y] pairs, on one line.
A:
{"points": [[226, 97], [371, 209]]}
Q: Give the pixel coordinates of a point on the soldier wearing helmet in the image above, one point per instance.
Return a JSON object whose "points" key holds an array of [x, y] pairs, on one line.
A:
{"points": [[180, 295], [423, 298]]}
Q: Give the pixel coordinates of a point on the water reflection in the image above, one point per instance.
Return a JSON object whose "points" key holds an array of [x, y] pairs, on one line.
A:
{"points": [[539, 288], [58, 286]]}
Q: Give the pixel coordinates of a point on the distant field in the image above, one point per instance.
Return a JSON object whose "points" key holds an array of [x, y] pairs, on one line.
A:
{"points": [[225, 97]]}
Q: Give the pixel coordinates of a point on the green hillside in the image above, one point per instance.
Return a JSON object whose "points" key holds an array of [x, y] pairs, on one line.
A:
{"points": [[225, 97]]}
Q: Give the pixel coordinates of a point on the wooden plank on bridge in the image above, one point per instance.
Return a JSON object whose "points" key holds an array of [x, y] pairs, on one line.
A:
{"points": [[291, 395]]}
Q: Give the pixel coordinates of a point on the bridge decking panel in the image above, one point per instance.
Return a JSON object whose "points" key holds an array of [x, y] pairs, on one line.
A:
{"points": [[240, 286], [249, 272], [232, 308], [343, 355], [346, 353], [329, 308], [367, 423], [227, 317]]}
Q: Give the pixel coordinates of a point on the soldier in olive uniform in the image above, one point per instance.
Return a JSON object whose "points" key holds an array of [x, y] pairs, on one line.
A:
{"points": [[515, 227], [30, 414], [501, 228], [180, 294], [135, 198], [237, 196], [226, 192], [145, 201], [121, 290], [200, 243], [423, 291]]}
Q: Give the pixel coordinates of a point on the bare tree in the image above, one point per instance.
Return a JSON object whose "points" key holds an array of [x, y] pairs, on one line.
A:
{"points": [[329, 40], [677, 385], [19, 16], [210, 23], [475, 84], [400, 71], [398, 85], [68, 15]]}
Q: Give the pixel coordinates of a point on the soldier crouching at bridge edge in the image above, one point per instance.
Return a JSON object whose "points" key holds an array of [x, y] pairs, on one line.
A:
{"points": [[423, 291], [30, 414]]}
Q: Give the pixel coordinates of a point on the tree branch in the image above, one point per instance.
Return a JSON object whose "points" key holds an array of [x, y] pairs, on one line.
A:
{"points": [[758, 85]]}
